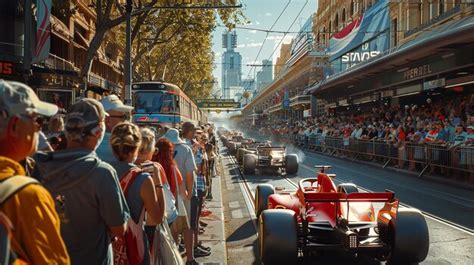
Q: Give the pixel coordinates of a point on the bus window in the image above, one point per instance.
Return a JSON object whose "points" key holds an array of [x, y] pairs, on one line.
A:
{"points": [[148, 102], [168, 103]]}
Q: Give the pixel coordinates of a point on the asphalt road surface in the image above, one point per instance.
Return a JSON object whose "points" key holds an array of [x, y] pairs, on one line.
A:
{"points": [[449, 211]]}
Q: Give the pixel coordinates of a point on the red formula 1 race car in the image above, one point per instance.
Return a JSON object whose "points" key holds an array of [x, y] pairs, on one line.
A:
{"points": [[321, 216]]}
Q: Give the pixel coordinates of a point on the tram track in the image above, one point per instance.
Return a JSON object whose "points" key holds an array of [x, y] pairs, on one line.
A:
{"points": [[250, 197]]}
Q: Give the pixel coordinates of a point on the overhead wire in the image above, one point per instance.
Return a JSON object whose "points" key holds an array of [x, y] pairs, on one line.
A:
{"points": [[296, 18], [266, 37]]}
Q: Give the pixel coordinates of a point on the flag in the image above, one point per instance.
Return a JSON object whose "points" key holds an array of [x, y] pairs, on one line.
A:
{"points": [[43, 31]]}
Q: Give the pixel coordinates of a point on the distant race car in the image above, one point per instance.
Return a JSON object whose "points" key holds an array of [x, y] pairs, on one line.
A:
{"points": [[249, 148], [270, 157], [321, 216], [236, 141]]}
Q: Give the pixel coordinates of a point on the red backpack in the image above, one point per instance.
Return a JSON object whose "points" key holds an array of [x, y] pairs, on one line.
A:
{"points": [[129, 249]]}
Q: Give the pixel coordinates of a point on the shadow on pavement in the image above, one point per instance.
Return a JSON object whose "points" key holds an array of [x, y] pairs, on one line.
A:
{"points": [[243, 232]]}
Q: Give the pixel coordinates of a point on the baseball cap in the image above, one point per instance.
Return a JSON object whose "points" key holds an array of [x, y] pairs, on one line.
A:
{"points": [[18, 98], [113, 102], [84, 114]]}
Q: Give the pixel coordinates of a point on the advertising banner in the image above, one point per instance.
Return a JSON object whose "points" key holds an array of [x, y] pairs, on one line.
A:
{"points": [[43, 31], [286, 100], [362, 39]]}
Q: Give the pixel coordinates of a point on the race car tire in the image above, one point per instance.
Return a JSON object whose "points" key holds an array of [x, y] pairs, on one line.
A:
{"points": [[232, 148], [278, 236], [291, 164], [347, 188], [411, 240], [250, 163], [262, 193], [240, 155]]}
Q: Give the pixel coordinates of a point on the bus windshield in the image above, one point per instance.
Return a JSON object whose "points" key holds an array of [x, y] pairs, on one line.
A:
{"points": [[153, 102]]}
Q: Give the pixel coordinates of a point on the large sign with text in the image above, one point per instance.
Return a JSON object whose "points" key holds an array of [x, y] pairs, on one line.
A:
{"points": [[7, 68], [211, 103], [362, 39]]}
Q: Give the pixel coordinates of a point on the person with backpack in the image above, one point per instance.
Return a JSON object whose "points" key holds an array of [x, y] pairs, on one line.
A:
{"points": [[28, 206], [87, 194], [165, 197], [139, 189]]}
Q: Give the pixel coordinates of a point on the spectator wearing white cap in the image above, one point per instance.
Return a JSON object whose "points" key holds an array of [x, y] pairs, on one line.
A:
{"points": [[118, 112], [36, 237], [89, 200]]}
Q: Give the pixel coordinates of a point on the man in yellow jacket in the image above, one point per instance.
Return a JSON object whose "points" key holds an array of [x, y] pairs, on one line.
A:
{"points": [[36, 235]]}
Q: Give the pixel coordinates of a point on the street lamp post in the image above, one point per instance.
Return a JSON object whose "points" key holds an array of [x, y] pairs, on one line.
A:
{"points": [[128, 51]]}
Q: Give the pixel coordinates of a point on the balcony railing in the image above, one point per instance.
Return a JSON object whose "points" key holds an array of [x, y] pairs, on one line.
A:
{"points": [[58, 63], [433, 21]]}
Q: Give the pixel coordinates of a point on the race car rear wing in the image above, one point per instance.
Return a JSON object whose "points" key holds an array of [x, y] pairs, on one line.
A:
{"points": [[386, 213], [352, 197]]}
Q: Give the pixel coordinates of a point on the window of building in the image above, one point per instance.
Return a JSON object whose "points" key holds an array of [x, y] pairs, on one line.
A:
{"points": [[343, 17], [408, 18], [394, 37], [231, 62], [352, 9], [330, 29], [324, 36], [420, 14], [433, 10], [336, 23], [441, 7]]}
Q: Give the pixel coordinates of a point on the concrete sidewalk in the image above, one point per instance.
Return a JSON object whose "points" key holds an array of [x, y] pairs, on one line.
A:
{"points": [[214, 236], [240, 228]]}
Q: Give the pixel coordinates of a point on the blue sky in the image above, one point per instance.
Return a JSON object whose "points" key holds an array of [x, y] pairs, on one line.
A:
{"points": [[262, 14]]}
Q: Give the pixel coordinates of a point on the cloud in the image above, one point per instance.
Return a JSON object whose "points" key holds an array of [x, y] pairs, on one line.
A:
{"points": [[257, 23], [249, 45], [277, 38], [268, 14], [252, 31]]}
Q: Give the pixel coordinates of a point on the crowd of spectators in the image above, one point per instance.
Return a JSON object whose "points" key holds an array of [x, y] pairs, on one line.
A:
{"points": [[94, 188], [444, 123]]}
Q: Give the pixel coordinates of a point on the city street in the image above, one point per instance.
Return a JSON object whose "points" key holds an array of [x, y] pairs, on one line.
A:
{"points": [[448, 211], [240, 132]]}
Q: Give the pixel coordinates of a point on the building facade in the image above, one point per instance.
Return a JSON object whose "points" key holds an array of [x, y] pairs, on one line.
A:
{"points": [[58, 74], [299, 66], [265, 76], [231, 63], [397, 51]]}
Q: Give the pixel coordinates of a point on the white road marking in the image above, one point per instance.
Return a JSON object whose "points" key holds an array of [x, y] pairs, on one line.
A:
{"points": [[234, 204], [237, 214]]}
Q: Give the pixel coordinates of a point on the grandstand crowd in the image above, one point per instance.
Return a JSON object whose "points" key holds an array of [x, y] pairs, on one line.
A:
{"points": [[444, 125]]}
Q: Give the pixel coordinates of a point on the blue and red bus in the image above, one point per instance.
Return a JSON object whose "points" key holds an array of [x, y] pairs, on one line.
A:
{"points": [[160, 103]]}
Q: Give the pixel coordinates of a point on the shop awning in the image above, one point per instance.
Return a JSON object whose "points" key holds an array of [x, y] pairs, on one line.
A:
{"points": [[451, 35]]}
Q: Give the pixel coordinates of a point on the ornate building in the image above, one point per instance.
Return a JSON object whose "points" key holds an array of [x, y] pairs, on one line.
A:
{"points": [[387, 49], [72, 29]]}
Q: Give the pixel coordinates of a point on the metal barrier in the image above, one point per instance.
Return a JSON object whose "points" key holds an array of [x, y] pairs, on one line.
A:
{"points": [[453, 162]]}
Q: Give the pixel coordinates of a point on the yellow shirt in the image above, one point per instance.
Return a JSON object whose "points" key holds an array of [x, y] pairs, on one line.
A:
{"points": [[36, 234]]}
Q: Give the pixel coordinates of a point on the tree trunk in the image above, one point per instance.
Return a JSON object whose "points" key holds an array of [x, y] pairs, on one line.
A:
{"points": [[91, 51]]}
